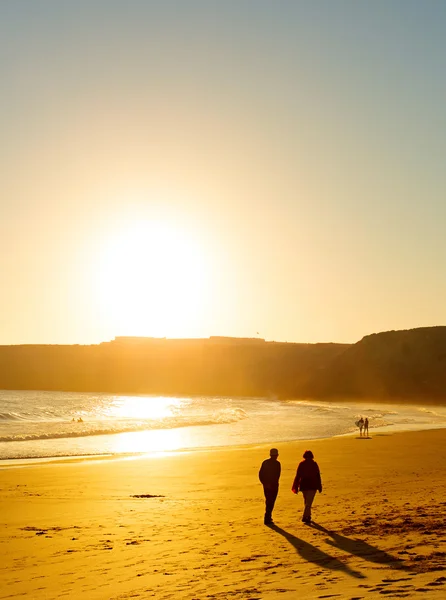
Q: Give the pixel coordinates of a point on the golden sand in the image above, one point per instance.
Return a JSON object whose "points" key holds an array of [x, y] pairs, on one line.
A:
{"points": [[76, 529]]}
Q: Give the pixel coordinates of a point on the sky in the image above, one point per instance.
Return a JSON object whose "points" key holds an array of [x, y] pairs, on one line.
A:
{"points": [[249, 168]]}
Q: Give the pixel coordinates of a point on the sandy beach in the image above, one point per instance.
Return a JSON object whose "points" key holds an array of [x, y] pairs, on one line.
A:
{"points": [[79, 529]]}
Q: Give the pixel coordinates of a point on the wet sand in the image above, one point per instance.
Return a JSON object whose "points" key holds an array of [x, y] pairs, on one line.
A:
{"points": [[191, 525]]}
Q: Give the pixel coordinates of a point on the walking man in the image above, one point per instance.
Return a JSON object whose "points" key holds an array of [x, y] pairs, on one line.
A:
{"points": [[269, 476]]}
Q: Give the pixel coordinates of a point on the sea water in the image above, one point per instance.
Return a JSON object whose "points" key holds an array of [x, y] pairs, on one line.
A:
{"points": [[38, 424]]}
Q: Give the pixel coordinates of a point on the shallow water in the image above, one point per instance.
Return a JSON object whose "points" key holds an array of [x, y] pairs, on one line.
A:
{"points": [[37, 424]]}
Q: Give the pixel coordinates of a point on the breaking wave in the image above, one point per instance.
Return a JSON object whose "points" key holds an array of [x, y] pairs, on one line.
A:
{"points": [[65, 430], [432, 412], [10, 416]]}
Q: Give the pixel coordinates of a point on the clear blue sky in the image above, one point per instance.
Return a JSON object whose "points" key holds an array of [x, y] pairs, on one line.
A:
{"points": [[290, 153]]}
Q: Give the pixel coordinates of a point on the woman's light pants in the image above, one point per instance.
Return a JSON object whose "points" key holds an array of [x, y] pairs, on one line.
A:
{"points": [[308, 500]]}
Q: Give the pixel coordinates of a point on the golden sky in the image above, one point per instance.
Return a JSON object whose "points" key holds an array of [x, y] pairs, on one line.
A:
{"points": [[187, 169]]}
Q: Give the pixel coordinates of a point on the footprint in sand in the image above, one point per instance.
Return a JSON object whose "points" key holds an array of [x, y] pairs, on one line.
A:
{"points": [[147, 496], [437, 582]]}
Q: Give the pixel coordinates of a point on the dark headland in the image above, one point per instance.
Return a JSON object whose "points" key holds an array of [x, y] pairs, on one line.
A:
{"points": [[405, 365]]}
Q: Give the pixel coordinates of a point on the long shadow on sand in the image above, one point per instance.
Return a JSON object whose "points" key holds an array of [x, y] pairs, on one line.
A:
{"points": [[361, 549], [313, 554]]}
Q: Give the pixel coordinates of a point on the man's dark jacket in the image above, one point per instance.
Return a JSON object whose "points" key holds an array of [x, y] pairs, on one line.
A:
{"points": [[269, 473]]}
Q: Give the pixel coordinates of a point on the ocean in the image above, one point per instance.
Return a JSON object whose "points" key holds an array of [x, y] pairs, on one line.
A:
{"points": [[39, 424]]}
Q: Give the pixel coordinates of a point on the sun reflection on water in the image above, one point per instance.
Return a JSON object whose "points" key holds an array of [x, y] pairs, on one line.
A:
{"points": [[143, 407], [156, 440], [148, 408]]}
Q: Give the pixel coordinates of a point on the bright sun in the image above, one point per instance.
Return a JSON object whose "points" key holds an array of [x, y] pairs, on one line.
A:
{"points": [[153, 281]]}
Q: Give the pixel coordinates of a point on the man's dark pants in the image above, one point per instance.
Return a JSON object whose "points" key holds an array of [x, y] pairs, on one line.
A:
{"points": [[270, 499]]}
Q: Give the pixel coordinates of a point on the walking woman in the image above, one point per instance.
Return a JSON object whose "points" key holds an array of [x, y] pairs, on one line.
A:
{"points": [[308, 481]]}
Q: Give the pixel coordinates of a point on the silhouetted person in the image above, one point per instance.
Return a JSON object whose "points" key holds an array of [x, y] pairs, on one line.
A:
{"points": [[269, 476], [366, 427], [80, 420], [361, 425], [308, 481]]}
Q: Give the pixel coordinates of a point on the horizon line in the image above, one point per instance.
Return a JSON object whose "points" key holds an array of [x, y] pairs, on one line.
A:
{"points": [[211, 338]]}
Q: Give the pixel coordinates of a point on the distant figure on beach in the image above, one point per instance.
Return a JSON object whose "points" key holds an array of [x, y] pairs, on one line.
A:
{"points": [[366, 427], [73, 420], [269, 476], [308, 481], [361, 425], [80, 420]]}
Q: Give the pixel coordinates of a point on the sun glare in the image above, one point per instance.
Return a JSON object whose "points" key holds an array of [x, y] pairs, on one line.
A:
{"points": [[137, 407], [156, 441], [153, 281]]}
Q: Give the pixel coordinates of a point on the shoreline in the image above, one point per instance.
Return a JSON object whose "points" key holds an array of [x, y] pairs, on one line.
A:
{"points": [[8, 463], [187, 426]]}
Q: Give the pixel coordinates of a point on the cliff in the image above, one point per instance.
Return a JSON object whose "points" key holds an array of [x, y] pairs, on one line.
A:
{"points": [[393, 365], [408, 364], [214, 366]]}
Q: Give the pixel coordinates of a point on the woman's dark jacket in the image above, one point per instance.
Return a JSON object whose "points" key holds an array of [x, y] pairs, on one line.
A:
{"points": [[308, 476]]}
